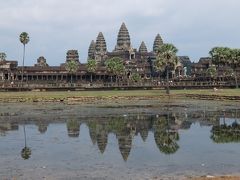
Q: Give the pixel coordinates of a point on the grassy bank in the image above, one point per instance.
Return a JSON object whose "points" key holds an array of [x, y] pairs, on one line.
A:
{"points": [[151, 94]]}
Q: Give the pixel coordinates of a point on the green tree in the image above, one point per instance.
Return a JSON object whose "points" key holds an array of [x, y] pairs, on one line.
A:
{"points": [[166, 60], [135, 77], [91, 66], [72, 67], [24, 39], [226, 56], [119, 68], [110, 65], [234, 62], [115, 66], [220, 55], [211, 71], [3, 56]]}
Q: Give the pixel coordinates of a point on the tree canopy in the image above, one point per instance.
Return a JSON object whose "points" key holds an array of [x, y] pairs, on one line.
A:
{"points": [[3, 56], [225, 56], [72, 66], [91, 65], [115, 66], [24, 38], [166, 57]]}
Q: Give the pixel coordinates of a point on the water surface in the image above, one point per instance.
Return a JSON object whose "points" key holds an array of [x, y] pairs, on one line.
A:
{"points": [[147, 140]]}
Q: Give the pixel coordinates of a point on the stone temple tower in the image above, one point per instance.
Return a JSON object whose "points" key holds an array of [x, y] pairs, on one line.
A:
{"points": [[123, 39], [100, 48], [157, 43], [91, 50], [143, 48], [72, 55]]}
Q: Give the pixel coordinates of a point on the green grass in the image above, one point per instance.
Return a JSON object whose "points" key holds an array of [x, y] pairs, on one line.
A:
{"points": [[120, 93], [220, 92]]}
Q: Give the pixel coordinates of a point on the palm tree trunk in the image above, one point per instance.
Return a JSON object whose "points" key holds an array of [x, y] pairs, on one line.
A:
{"points": [[91, 77], [71, 78], [168, 89], [236, 80], [23, 64]]}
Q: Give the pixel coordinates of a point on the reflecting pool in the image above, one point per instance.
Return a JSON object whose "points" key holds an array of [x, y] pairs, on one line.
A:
{"points": [[144, 141]]}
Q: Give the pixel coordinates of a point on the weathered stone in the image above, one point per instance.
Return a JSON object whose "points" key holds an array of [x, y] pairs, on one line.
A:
{"points": [[157, 43], [123, 39], [100, 48], [41, 62], [143, 48], [72, 55], [101, 43], [91, 50]]}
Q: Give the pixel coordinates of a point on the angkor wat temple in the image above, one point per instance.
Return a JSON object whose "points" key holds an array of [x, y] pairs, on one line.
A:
{"points": [[140, 61]]}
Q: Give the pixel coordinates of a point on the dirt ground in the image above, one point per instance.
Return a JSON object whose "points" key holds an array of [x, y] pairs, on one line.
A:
{"points": [[218, 178]]}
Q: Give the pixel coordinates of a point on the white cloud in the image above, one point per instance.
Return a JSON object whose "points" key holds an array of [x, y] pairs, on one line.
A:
{"points": [[57, 25]]}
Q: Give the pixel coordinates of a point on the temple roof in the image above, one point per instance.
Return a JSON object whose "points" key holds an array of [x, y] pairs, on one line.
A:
{"points": [[41, 62], [123, 39], [143, 48], [91, 50], [157, 43], [101, 43], [72, 55]]}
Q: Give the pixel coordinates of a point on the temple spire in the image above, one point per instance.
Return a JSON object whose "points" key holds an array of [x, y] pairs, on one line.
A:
{"points": [[157, 43], [100, 54], [91, 50], [101, 43], [123, 39], [143, 48]]}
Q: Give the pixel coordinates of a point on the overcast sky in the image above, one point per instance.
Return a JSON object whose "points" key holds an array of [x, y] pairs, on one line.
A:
{"points": [[55, 26]]}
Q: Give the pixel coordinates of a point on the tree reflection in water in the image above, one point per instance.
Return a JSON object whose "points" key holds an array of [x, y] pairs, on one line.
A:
{"points": [[125, 128], [165, 137], [224, 133], [26, 151], [164, 127]]}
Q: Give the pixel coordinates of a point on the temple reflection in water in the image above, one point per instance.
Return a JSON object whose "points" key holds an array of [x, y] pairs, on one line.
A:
{"points": [[164, 127]]}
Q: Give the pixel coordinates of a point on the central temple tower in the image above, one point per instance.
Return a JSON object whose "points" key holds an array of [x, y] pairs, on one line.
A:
{"points": [[123, 39]]}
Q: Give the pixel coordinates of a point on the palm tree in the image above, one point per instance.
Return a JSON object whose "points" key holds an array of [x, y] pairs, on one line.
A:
{"points": [[135, 77], [72, 67], [226, 56], [24, 39], [166, 60], [115, 66], [211, 71], [91, 66], [119, 68], [220, 55], [3, 56], [234, 63], [110, 65]]}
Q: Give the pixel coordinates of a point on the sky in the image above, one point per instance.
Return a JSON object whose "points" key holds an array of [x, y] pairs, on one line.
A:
{"points": [[55, 26]]}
